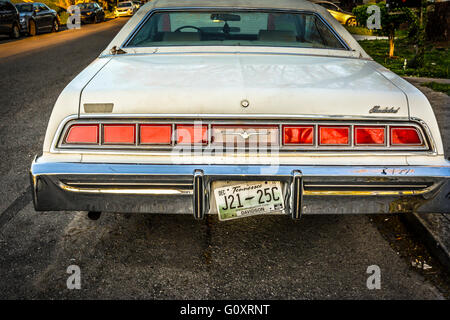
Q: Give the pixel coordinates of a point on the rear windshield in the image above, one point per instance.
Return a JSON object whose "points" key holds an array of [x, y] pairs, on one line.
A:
{"points": [[86, 6], [238, 28], [124, 4], [24, 7]]}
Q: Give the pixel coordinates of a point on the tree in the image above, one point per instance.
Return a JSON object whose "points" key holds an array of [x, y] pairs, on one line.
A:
{"points": [[389, 21]]}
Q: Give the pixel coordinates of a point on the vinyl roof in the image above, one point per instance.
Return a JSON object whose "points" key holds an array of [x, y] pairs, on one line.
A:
{"points": [[275, 4]]}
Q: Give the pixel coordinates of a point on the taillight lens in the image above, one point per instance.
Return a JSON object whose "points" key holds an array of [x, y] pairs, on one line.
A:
{"points": [[155, 134], [294, 135], [336, 135], [83, 133], [401, 136], [192, 134], [369, 135], [119, 134]]}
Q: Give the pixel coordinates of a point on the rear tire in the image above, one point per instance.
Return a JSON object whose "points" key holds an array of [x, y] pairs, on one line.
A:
{"points": [[55, 27], [15, 32], [32, 28], [351, 22]]}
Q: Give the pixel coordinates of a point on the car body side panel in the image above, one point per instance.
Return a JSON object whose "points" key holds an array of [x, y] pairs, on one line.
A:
{"points": [[69, 99], [419, 106]]}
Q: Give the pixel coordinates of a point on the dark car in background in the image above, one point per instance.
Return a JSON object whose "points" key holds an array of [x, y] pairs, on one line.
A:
{"points": [[91, 12], [9, 19], [37, 17]]}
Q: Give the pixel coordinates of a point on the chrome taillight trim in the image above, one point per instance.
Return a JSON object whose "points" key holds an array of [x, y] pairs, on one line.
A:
{"points": [[59, 147]]}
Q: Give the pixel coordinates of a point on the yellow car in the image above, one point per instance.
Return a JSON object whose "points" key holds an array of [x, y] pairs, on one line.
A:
{"points": [[339, 14]]}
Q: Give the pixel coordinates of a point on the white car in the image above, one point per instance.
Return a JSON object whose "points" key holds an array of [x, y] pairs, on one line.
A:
{"points": [[125, 9], [236, 109]]}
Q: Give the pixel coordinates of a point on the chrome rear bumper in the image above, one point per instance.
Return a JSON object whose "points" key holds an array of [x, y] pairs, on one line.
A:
{"points": [[188, 188]]}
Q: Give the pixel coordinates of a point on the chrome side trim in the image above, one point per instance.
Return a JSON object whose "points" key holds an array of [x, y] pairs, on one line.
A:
{"points": [[127, 190]]}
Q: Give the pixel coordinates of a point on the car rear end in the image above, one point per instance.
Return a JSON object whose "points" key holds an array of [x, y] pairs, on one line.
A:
{"points": [[199, 130]]}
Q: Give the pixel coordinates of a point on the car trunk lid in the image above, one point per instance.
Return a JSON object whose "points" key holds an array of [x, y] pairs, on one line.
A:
{"points": [[223, 84]]}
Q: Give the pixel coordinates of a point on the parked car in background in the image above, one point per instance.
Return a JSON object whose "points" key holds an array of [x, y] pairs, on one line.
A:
{"points": [[238, 108], [137, 4], [125, 9], [9, 19], [340, 15], [91, 12], [36, 18]]}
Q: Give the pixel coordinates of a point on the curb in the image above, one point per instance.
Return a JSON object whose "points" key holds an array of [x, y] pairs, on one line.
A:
{"points": [[431, 240]]}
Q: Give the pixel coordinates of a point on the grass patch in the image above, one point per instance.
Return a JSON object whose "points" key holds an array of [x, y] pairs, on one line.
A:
{"points": [[441, 87], [437, 57]]}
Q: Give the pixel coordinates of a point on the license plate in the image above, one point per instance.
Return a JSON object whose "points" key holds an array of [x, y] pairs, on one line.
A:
{"points": [[248, 199]]}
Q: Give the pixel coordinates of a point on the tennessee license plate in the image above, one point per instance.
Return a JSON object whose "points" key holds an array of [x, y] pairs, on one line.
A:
{"points": [[248, 199]]}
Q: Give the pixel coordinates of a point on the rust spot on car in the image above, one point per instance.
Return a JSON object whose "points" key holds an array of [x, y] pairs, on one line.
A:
{"points": [[407, 204]]}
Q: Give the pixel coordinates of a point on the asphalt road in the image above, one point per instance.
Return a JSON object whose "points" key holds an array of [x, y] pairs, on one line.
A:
{"points": [[159, 257]]}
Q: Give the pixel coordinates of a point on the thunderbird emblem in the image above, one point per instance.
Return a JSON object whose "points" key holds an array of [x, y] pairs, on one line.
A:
{"points": [[245, 135]]}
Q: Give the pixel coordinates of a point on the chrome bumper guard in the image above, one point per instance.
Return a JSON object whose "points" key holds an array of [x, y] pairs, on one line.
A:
{"points": [[152, 188]]}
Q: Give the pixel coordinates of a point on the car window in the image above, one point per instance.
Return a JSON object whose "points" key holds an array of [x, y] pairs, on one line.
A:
{"points": [[325, 5], [42, 7], [24, 7], [243, 28], [124, 4], [86, 6], [9, 6]]}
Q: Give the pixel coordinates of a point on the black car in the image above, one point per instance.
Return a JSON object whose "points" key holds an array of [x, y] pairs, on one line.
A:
{"points": [[37, 17], [9, 19], [91, 12]]}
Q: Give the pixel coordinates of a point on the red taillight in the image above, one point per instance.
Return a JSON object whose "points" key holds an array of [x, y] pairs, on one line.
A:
{"points": [[119, 133], [155, 133], [83, 133], [369, 135], [298, 135], [405, 136], [336, 135], [192, 134]]}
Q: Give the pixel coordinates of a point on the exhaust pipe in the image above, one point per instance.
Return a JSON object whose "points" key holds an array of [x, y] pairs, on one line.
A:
{"points": [[94, 215]]}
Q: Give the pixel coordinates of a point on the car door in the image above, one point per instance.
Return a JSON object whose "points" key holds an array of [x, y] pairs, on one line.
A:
{"points": [[101, 12], [40, 16], [8, 15], [37, 16], [97, 11], [47, 17], [2, 17]]}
